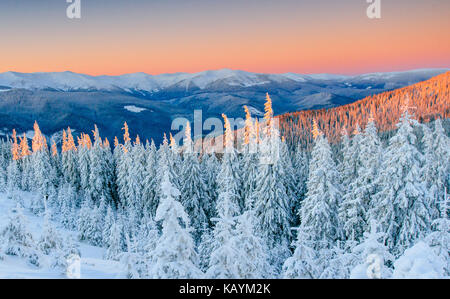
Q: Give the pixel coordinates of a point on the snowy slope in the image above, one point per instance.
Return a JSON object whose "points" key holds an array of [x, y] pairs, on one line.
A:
{"points": [[92, 264]]}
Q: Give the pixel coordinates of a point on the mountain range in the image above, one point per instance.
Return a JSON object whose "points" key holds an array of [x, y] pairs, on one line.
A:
{"points": [[149, 103]]}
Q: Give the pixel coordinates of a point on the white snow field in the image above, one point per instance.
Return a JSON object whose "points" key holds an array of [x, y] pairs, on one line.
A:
{"points": [[93, 266]]}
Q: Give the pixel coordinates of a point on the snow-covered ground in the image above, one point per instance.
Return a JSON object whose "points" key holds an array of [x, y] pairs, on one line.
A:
{"points": [[93, 265]]}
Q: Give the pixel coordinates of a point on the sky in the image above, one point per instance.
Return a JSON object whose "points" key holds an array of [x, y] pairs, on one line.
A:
{"points": [[166, 36]]}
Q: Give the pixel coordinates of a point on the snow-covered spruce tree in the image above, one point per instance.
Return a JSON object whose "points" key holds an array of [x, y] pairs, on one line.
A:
{"points": [[228, 180], [5, 158], [84, 147], [210, 169], [249, 162], [44, 173], [67, 206], [100, 175], [69, 161], [360, 191], [224, 253], [4, 162], [165, 156], [205, 247], [303, 264], [318, 213], [14, 176], [124, 161], [90, 223], [136, 178], [17, 240], [301, 168], [371, 256], [109, 220], [194, 196], [50, 242], [28, 182], [114, 242], [289, 178], [149, 181], [147, 236], [174, 256], [3, 177], [338, 261], [439, 238], [351, 161], [436, 167], [272, 205], [400, 205], [133, 262], [253, 258], [175, 160]]}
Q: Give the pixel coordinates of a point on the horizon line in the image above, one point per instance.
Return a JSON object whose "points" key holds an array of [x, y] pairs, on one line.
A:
{"points": [[236, 70]]}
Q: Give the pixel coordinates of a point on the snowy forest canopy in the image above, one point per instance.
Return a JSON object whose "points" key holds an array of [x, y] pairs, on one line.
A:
{"points": [[362, 209]]}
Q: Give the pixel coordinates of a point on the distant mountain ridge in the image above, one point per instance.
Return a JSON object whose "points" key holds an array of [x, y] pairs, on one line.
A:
{"points": [[150, 103], [69, 81]]}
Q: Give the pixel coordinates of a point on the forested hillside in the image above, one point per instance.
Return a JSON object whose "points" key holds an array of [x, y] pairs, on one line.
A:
{"points": [[430, 99], [368, 211]]}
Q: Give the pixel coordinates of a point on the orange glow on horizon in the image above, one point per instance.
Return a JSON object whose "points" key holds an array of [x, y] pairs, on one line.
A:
{"points": [[290, 36]]}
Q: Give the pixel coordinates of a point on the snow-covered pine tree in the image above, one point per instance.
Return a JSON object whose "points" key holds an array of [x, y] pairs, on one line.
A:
{"points": [[90, 223], [44, 173], [17, 240], [174, 256], [253, 259], [272, 205], [436, 167], [4, 162], [67, 201], [301, 169], [360, 191], [84, 147], [210, 169], [50, 242], [289, 179], [69, 160], [136, 178], [303, 264], [164, 158], [224, 253], [28, 181], [228, 180], [351, 161], [249, 162], [319, 217], [149, 181], [338, 260], [175, 160], [439, 238], [14, 176], [100, 175], [114, 242], [400, 205], [194, 195], [123, 168], [371, 256]]}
